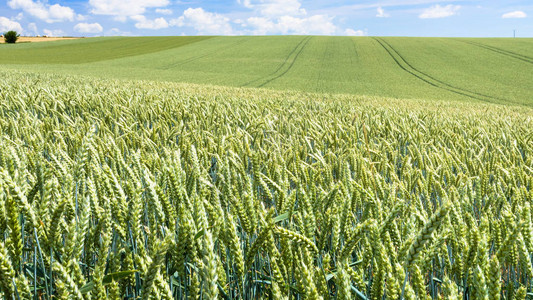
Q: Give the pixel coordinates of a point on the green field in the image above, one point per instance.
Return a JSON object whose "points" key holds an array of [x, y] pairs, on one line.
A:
{"points": [[272, 168], [490, 70]]}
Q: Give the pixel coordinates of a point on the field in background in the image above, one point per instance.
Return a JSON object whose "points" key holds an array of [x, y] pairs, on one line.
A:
{"points": [[487, 70], [32, 39]]}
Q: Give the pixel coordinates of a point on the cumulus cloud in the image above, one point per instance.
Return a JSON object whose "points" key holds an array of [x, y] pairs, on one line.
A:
{"points": [[381, 13], [267, 17], [285, 17], [278, 8], [122, 9], [54, 32], [163, 11], [44, 11], [261, 25], [438, 11], [352, 32], [118, 32], [204, 22], [33, 28], [88, 28], [144, 23], [245, 3], [514, 15], [316, 25], [7, 25]]}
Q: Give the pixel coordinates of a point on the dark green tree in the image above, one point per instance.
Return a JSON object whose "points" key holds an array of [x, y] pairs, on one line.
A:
{"points": [[11, 37]]}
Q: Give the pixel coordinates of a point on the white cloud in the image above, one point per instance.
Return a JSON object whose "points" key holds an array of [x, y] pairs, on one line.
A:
{"points": [[122, 8], [54, 32], [163, 11], [267, 17], [261, 25], [438, 11], [316, 25], [7, 25], [277, 8], [118, 32], [144, 23], [88, 28], [33, 28], [44, 11], [204, 22], [381, 13], [57, 12], [245, 3], [352, 32], [284, 17], [514, 15]]}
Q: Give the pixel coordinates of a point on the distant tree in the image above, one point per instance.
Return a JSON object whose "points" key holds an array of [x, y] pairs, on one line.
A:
{"points": [[11, 37]]}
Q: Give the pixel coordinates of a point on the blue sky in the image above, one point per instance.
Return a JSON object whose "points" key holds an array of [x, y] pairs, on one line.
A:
{"points": [[473, 18]]}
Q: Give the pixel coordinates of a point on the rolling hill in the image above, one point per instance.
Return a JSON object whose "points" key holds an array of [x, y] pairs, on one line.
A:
{"points": [[271, 168], [488, 70]]}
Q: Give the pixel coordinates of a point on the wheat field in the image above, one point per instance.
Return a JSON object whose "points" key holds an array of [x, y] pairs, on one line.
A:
{"points": [[147, 190]]}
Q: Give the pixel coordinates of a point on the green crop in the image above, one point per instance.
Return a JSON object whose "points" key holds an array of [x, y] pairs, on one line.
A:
{"points": [[479, 70], [139, 189]]}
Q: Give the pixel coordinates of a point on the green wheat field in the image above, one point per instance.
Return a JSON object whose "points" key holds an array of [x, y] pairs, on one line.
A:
{"points": [[292, 167]]}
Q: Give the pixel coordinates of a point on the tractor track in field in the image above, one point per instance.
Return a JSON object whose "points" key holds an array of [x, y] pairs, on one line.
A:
{"points": [[406, 66], [197, 57], [320, 72], [281, 65], [501, 51], [354, 51], [272, 76], [290, 66]]}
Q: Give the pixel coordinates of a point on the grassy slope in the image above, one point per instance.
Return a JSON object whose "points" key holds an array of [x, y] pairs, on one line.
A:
{"points": [[492, 70], [467, 65], [89, 50]]}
